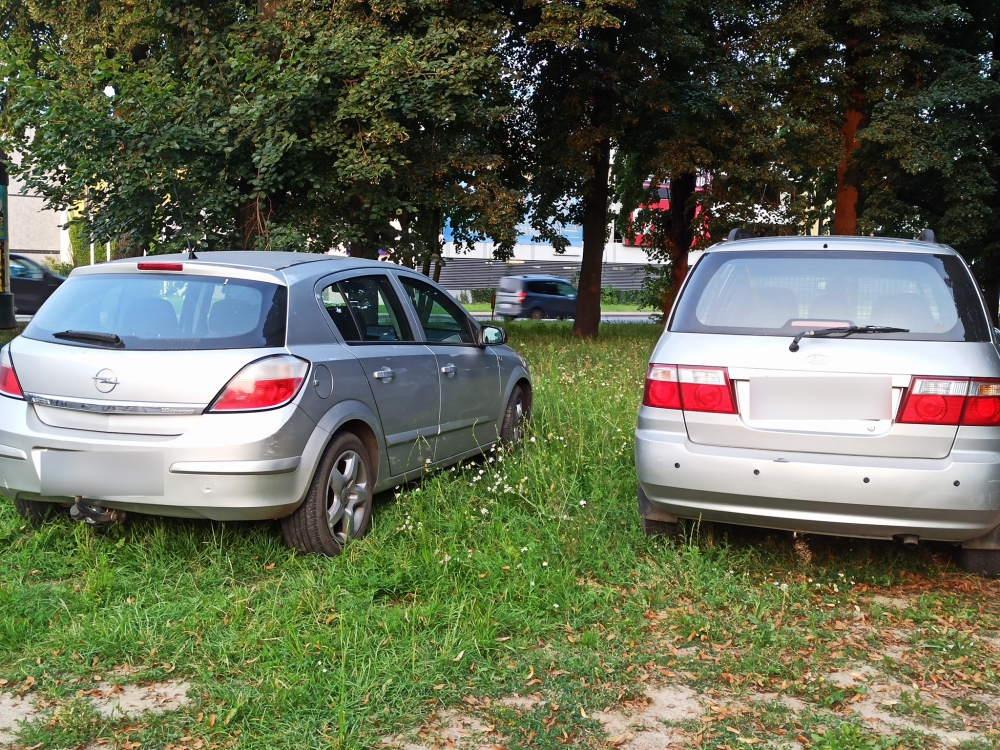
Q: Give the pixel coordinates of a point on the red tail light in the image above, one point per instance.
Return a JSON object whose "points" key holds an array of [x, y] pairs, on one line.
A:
{"points": [[265, 384], [161, 266], [662, 389], [9, 385], [690, 388], [522, 296], [982, 407], [934, 401]]}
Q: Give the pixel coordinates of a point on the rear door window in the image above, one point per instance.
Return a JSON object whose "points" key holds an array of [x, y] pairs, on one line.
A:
{"points": [[778, 293], [151, 311], [365, 309], [542, 287]]}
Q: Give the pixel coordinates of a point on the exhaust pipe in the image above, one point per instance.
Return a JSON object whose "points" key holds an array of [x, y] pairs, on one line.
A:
{"points": [[95, 515], [910, 540]]}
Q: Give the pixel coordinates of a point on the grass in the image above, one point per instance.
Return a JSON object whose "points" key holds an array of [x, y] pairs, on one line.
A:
{"points": [[525, 573]]}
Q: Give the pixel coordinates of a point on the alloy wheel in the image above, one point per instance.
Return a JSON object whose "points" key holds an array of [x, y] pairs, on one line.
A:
{"points": [[347, 496]]}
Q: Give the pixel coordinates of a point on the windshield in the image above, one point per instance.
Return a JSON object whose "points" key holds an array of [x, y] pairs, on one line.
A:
{"points": [[780, 293], [151, 311]]}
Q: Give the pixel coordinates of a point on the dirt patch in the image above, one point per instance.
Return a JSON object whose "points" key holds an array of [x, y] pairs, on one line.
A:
{"points": [[14, 709], [850, 677], [130, 700], [523, 702], [450, 729], [644, 726], [892, 602]]}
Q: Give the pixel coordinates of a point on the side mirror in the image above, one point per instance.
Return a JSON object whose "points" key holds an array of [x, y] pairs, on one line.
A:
{"points": [[492, 336]]}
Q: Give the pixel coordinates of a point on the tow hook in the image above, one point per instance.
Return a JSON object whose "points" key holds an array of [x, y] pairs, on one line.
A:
{"points": [[95, 515]]}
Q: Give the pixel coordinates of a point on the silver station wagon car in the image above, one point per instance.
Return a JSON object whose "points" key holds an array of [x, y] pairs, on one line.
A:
{"points": [[248, 385], [835, 385]]}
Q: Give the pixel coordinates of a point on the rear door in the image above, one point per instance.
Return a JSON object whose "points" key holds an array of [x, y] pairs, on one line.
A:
{"points": [[469, 374], [402, 371], [736, 319]]}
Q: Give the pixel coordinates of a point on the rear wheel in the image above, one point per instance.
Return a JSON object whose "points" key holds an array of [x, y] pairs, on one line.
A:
{"points": [[338, 507], [982, 562], [537, 314], [660, 528], [36, 512], [517, 413]]}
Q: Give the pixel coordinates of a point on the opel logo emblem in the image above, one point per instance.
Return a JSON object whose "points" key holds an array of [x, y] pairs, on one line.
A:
{"points": [[105, 381], [817, 359]]}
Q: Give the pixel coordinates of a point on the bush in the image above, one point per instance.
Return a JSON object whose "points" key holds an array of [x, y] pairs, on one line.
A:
{"points": [[482, 295], [610, 296], [58, 267]]}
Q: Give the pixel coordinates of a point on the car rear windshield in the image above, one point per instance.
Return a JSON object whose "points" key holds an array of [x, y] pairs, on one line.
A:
{"points": [[510, 285], [782, 292], [151, 311]]}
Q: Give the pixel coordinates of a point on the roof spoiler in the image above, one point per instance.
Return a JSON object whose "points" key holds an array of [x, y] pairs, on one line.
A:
{"points": [[927, 235], [740, 234]]}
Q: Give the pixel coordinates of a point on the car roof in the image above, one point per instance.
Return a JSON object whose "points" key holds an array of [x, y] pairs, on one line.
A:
{"points": [[832, 242], [536, 277], [263, 260]]}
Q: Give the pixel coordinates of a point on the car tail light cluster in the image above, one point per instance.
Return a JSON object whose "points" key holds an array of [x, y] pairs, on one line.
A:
{"points": [[9, 385], [521, 297], [264, 384], [690, 388], [951, 401]]}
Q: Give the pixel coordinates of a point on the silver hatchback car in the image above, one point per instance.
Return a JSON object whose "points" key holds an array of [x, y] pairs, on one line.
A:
{"points": [[834, 385], [248, 385]]}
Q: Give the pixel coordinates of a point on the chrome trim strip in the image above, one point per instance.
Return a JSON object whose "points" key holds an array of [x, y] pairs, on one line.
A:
{"points": [[113, 407], [272, 466]]}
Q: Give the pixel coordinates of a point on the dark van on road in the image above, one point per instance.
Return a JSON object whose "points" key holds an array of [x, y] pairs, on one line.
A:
{"points": [[536, 297]]}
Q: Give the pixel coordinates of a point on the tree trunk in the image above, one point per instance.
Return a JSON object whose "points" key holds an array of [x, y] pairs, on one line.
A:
{"points": [[682, 206], [595, 232], [991, 292], [845, 214], [248, 223]]}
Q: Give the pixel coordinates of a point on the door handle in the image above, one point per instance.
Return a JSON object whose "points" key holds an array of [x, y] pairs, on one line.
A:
{"points": [[449, 369], [384, 374]]}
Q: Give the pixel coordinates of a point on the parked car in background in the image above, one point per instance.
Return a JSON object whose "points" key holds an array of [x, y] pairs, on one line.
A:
{"points": [[248, 385], [832, 385], [535, 297], [31, 284]]}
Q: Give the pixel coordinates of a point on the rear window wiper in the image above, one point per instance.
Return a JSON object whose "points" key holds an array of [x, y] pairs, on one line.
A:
{"points": [[98, 337], [844, 331]]}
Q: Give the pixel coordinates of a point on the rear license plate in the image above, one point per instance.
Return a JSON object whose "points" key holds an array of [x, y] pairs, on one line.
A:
{"points": [[102, 473], [864, 397]]}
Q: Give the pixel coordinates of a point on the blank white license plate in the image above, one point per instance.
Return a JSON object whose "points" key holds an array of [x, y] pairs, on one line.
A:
{"points": [[863, 397], [102, 473]]}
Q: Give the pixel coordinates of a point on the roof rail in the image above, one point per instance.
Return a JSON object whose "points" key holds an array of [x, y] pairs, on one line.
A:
{"points": [[740, 234], [927, 235]]}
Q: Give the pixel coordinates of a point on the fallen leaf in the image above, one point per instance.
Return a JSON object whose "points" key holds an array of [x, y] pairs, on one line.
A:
{"points": [[269, 566], [460, 655]]}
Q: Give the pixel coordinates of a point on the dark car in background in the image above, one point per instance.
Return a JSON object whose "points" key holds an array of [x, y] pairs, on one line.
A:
{"points": [[31, 284], [536, 297]]}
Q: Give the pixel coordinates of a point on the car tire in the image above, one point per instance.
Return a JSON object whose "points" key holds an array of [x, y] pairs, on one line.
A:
{"points": [[35, 512], [660, 528], [537, 314], [338, 506], [515, 416], [981, 562]]}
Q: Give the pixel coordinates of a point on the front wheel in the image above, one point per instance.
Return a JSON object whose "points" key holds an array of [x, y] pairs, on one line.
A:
{"points": [[515, 416], [338, 507]]}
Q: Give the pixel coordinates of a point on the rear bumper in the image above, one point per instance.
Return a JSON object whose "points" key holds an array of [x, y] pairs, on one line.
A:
{"points": [[952, 499], [225, 467]]}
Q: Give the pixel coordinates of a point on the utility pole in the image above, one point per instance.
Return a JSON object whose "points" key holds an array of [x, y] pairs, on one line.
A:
{"points": [[7, 319]]}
